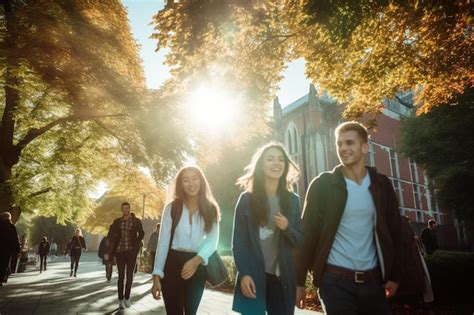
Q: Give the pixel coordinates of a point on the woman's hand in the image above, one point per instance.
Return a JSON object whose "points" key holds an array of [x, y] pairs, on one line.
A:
{"points": [[281, 221], [248, 287], [156, 288], [190, 267]]}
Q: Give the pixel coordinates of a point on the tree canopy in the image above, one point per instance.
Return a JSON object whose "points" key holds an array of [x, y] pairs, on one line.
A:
{"points": [[132, 186], [359, 51], [74, 106], [47, 226], [442, 142]]}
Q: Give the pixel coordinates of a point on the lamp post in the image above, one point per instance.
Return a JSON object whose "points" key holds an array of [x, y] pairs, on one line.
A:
{"points": [[143, 217], [143, 206]]}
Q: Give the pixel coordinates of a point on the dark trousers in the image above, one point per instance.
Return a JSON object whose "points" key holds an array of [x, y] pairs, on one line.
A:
{"points": [[182, 296], [344, 296], [125, 263], [274, 299], [4, 266], [43, 259], [13, 263], [152, 260], [75, 262], [108, 269]]}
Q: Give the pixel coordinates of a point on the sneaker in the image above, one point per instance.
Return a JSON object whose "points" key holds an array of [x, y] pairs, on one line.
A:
{"points": [[127, 303], [122, 303]]}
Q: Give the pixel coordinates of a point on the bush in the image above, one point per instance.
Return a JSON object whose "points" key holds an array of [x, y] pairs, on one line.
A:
{"points": [[144, 263], [452, 276], [228, 286]]}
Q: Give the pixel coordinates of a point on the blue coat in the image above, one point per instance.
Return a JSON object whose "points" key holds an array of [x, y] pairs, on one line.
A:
{"points": [[249, 259]]}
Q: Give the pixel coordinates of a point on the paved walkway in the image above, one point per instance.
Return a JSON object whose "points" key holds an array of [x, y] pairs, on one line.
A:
{"points": [[54, 292]]}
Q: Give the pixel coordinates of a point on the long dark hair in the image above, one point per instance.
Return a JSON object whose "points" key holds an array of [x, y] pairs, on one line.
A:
{"points": [[208, 207], [253, 181]]}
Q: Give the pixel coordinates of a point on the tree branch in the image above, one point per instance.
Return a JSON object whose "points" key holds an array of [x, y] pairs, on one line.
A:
{"points": [[36, 132], [120, 140], [403, 102], [43, 191]]}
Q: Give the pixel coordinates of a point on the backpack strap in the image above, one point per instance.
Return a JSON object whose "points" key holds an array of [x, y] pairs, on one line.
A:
{"points": [[176, 212]]}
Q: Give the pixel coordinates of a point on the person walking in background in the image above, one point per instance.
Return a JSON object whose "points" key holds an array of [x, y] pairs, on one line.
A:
{"points": [[43, 251], [76, 244], [152, 244], [107, 263], [429, 238], [23, 254], [139, 256], [9, 245], [15, 259], [267, 228], [53, 249], [124, 239], [352, 232], [188, 237]]}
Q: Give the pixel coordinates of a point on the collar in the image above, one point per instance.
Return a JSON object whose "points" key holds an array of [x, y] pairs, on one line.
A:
{"points": [[338, 178]]}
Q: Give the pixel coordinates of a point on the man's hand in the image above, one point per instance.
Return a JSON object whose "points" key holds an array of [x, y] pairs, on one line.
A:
{"points": [[391, 288], [300, 297], [281, 221], [156, 288], [190, 267], [106, 256], [248, 287]]}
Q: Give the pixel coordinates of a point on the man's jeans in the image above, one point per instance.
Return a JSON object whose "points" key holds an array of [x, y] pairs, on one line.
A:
{"points": [[126, 259], [340, 295]]}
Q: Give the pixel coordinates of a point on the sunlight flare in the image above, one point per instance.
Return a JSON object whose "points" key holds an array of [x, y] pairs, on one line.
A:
{"points": [[212, 109]]}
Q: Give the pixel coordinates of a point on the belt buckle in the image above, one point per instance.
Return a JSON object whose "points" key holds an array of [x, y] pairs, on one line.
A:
{"points": [[356, 276]]}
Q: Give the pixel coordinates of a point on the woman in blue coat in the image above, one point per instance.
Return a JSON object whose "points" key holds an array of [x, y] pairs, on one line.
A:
{"points": [[267, 228]]}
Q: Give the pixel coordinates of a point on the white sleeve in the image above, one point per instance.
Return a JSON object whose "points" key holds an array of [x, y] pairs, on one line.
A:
{"points": [[163, 244], [209, 245]]}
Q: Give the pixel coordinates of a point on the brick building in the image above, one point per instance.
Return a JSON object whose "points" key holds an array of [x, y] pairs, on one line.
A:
{"points": [[306, 127]]}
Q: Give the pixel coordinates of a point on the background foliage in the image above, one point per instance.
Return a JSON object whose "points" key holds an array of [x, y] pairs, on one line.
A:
{"points": [[442, 142]]}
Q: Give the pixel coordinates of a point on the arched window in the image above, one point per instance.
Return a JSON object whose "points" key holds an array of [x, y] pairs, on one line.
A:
{"points": [[295, 140], [320, 154], [292, 139], [288, 141]]}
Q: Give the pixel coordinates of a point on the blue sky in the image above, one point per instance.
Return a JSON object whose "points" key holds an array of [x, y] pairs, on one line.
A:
{"points": [[140, 12]]}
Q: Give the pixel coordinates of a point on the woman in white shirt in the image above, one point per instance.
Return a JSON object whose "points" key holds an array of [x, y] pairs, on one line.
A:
{"points": [[182, 254]]}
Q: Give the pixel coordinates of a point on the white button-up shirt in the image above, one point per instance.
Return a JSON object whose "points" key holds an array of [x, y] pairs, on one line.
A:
{"points": [[188, 237]]}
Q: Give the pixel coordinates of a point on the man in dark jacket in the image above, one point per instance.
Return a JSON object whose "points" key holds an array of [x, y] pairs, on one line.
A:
{"points": [[352, 230], [124, 239], [428, 237], [107, 263], [9, 244], [152, 244]]}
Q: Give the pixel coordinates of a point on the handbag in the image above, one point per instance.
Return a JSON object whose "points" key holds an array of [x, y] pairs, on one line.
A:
{"points": [[217, 272]]}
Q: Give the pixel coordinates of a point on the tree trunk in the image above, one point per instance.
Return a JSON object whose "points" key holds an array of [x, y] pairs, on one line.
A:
{"points": [[6, 194], [9, 154]]}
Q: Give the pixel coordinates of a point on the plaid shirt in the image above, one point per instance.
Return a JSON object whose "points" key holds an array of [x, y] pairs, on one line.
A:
{"points": [[125, 233]]}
